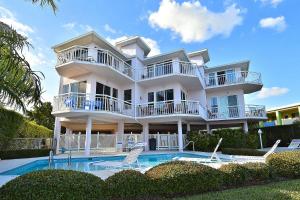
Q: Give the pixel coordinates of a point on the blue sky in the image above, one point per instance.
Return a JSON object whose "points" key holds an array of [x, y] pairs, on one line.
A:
{"points": [[266, 32]]}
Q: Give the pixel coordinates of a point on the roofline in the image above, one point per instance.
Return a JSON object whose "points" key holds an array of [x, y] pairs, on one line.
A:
{"points": [[206, 57], [86, 34], [283, 107], [135, 38], [229, 64], [168, 53]]}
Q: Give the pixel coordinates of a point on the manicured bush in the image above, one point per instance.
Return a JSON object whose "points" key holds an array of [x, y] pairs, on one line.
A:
{"points": [[234, 174], [257, 172], [184, 178], [242, 151], [30, 129], [128, 184], [53, 184], [285, 164], [24, 153]]}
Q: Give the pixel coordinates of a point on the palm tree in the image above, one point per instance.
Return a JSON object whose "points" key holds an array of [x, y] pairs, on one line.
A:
{"points": [[19, 84]]}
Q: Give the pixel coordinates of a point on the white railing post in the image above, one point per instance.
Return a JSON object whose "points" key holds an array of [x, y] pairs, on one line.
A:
{"points": [[157, 141], [97, 146], [78, 141], [169, 141]]}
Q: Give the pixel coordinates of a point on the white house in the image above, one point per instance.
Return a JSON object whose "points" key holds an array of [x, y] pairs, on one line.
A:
{"points": [[111, 94]]}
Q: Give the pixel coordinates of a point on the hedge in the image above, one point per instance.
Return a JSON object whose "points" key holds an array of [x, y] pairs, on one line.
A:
{"points": [[24, 153], [232, 138], [30, 129], [53, 184], [285, 164], [243, 151], [179, 178], [128, 184]]}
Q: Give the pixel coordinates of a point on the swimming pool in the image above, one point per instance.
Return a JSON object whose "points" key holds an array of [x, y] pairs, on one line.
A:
{"points": [[84, 164]]}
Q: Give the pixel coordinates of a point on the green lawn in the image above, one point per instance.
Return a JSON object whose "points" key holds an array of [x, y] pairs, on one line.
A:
{"points": [[281, 190]]}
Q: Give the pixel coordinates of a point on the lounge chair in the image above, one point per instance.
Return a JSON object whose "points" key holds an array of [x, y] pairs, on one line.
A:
{"points": [[213, 158], [256, 158], [295, 144], [129, 161]]}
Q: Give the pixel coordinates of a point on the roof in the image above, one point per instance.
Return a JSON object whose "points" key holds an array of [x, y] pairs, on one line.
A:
{"points": [[285, 107], [89, 38], [243, 64], [203, 53], [165, 56], [132, 40]]}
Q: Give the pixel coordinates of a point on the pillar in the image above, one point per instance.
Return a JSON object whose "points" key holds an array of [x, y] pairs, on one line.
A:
{"points": [[57, 132], [180, 138], [146, 135], [245, 127], [278, 118], [208, 128], [188, 127], [88, 136], [299, 110], [120, 134]]}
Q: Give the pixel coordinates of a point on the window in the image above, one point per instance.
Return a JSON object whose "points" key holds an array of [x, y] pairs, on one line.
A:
{"points": [[169, 95], [150, 97], [115, 93], [107, 90], [129, 62], [214, 104], [104, 89], [127, 95], [230, 76], [232, 106], [79, 87], [211, 79], [65, 89], [183, 96]]}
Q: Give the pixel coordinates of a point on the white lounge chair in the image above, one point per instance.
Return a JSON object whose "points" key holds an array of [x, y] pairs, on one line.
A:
{"points": [[295, 144], [257, 158], [213, 158], [129, 161]]}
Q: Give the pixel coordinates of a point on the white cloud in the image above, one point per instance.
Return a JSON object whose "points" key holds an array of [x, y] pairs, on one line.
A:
{"points": [[273, 3], [271, 92], [277, 23], [7, 17], [69, 26], [193, 21], [155, 49], [77, 28], [108, 28]]}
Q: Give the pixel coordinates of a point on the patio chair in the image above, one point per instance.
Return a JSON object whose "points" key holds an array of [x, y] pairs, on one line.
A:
{"points": [[295, 144], [129, 161], [213, 158]]}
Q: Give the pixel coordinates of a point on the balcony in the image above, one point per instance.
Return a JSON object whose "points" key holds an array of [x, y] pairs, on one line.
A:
{"points": [[250, 81], [82, 103], [186, 73], [95, 56], [164, 108], [236, 112]]}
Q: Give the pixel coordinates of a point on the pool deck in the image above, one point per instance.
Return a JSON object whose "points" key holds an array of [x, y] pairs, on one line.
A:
{"points": [[6, 165]]}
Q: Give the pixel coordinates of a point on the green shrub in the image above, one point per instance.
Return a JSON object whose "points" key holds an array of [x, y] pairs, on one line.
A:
{"points": [[30, 129], [242, 151], [285, 164], [257, 172], [183, 178], [24, 153], [53, 184], [234, 174], [128, 184]]}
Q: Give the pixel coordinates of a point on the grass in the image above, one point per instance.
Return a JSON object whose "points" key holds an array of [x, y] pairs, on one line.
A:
{"points": [[280, 190]]}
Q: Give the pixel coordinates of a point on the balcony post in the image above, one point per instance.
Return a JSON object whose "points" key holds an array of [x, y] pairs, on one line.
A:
{"points": [[175, 66], [146, 135], [188, 127], [120, 135], [245, 126], [57, 132], [208, 128], [180, 138], [88, 135]]}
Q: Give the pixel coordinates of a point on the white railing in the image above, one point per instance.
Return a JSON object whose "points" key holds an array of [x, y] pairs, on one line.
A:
{"points": [[169, 107], [166, 141], [167, 68], [82, 101], [232, 112], [234, 78], [94, 55]]}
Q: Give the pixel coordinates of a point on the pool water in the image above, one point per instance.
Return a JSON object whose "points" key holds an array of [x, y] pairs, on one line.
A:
{"points": [[84, 164]]}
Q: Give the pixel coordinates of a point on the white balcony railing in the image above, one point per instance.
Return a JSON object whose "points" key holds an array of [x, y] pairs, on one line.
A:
{"points": [[169, 107], [96, 56], [168, 68], [232, 112], [75, 101], [234, 78]]}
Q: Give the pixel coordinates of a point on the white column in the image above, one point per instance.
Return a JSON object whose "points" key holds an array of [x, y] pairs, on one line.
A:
{"points": [[180, 138], [208, 128], [120, 135], [67, 138], [146, 135], [188, 127], [245, 127], [57, 131], [88, 135], [91, 89]]}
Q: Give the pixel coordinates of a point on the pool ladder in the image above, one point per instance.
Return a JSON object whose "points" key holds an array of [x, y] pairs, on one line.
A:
{"points": [[193, 143], [51, 159], [69, 158]]}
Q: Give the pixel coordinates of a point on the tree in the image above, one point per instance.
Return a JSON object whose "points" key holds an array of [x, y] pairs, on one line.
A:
{"points": [[19, 84], [41, 114]]}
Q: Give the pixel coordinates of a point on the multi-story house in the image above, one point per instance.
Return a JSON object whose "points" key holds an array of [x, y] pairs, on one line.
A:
{"points": [[108, 93]]}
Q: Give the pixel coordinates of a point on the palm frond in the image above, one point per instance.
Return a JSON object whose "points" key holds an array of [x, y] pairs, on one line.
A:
{"points": [[43, 3]]}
